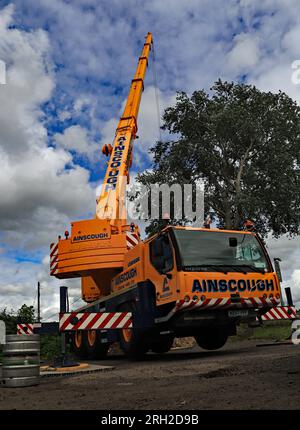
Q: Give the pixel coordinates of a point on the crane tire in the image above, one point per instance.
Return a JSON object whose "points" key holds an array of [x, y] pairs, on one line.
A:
{"points": [[212, 338], [95, 348], [162, 344], [133, 342], [79, 344]]}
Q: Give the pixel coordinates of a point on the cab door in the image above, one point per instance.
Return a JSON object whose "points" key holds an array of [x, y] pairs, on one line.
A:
{"points": [[161, 268]]}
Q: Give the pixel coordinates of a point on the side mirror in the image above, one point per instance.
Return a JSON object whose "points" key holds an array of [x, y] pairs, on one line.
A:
{"points": [[277, 268]]}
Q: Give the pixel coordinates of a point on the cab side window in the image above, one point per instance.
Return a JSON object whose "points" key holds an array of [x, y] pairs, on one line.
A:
{"points": [[161, 255]]}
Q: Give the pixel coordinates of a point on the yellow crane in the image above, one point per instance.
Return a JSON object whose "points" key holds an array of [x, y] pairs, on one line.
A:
{"points": [[182, 281]]}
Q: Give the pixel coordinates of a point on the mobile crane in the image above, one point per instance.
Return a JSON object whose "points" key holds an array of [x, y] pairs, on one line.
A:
{"points": [[182, 281]]}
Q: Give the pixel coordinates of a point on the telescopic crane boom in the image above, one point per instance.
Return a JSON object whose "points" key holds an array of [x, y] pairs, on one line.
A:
{"points": [[95, 249], [108, 206]]}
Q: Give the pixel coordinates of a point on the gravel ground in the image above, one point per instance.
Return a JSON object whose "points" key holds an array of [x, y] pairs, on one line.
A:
{"points": [[240, 376]]}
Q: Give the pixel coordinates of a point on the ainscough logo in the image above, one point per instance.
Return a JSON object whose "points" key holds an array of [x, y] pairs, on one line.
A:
{"points": [[91, 237], [115, 164], [125, 276], [223, 285]]}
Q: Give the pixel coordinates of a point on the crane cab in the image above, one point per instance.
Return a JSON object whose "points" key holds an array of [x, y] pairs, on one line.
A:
{"points": [[201, 268]]}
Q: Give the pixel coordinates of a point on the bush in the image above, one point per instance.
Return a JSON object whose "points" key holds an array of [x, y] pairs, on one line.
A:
{"points": [[50, 346]]}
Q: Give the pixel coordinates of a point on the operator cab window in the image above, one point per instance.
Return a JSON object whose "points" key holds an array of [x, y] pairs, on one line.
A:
{"points": [[161, 255], [201, 250]]}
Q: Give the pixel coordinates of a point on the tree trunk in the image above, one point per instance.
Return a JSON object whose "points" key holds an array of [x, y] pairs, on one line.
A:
{"points": [[228, 219], [238, 209]]}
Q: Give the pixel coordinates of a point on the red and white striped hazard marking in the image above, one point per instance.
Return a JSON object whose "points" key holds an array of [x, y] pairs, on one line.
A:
{"points": [[94, 320], [53, 258], [280, 313], [252, 302], [132, 239], [24, 328]]}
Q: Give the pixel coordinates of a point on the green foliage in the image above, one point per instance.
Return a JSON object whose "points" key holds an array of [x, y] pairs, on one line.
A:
{"points": [[245, 145], [26, 314], [270, 330], [50, 346], [10, 319]]}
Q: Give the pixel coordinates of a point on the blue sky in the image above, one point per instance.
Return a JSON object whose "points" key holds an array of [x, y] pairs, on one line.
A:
{"points": [[69, 66]]}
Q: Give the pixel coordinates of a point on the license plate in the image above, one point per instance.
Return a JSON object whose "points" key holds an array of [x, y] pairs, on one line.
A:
{"points": [[239, 313]]}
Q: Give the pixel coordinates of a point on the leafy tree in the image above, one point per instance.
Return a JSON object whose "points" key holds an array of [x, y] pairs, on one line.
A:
{"points": [[245, 146], [10, 319], [26, 314]]}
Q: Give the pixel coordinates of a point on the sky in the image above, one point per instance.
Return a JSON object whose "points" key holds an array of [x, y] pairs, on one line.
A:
{"points": [[69, 64]]}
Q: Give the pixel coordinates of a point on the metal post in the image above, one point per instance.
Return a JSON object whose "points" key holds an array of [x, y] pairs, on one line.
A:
{"points": [[63, 360], [277, 268], [289, 297], [38, 302], [63, 293]]}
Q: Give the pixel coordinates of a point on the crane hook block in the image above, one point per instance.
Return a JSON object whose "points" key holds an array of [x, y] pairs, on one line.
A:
{"points": [[107, 149]]}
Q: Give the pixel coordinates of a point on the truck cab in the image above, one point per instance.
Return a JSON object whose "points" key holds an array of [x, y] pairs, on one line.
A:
{"points": [[201, 265], [205, 281]]}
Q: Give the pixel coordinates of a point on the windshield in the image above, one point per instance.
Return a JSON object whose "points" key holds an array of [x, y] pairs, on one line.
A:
{"points": [[208, 251]]}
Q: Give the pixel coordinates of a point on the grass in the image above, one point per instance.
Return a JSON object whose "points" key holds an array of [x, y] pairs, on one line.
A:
{"points": [[270, 330], [50, 347]]}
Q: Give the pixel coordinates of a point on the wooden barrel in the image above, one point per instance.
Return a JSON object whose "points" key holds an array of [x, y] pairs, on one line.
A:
{"points": [[21, 361]]}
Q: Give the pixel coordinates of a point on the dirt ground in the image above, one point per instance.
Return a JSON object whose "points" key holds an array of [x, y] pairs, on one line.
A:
{"points": [[240, 376]]}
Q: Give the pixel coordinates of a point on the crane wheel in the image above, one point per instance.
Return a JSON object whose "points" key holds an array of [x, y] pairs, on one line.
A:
{"points": [[212, 338], [79, 344], [133, 342], [162, 344], [95, 348]]}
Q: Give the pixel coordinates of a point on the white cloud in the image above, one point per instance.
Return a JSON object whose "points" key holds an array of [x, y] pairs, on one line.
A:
{"points": [[149, 121], [75, 138], [34, 182], [65, 115], [150, 116], [294, 284], [288, 250], [41, 188], [18, 285], [29, 83], [244, 54], [290, 41]]}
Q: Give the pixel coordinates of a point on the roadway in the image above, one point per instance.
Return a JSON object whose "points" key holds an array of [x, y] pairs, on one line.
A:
{"points": [[240, 376]]}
